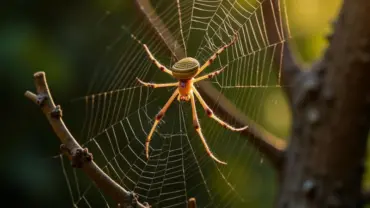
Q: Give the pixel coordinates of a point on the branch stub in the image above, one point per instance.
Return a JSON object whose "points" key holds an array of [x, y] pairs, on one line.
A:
{"points": [[41, 99], [56, 112], [80, 157]]}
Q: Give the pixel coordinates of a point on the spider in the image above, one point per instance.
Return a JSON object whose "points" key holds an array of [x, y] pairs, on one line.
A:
{"points": [[186, 71]]}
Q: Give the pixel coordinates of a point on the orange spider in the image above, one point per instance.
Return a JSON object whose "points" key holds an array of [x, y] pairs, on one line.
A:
{"points": [[185, 71]]}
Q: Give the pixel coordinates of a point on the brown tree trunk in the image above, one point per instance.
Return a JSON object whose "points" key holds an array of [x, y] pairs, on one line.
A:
{"points": [[324, 162]]}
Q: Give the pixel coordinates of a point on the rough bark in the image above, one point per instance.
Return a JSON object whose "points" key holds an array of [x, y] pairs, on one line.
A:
{"points": [[324, 162]]}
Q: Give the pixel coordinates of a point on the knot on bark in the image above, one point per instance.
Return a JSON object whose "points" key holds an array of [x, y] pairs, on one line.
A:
{"points": [[80, 157], [309, 188], [56, 112], [313, 115], [364, 47], [40, 99], [307, 87], [64, 149]]}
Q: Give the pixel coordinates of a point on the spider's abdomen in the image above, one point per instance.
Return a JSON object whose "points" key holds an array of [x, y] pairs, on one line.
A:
{"points": [[186, 68]]}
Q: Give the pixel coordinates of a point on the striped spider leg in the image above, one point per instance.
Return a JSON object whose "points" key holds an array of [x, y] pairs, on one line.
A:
{"points": [[199, 131], [155, 85], [212, 115], [159, 65], [158, 117], [214, 56], [185, 71]]}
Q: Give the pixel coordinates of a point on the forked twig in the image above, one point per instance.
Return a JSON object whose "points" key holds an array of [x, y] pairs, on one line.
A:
{"points": [[79, 157], [270, 146]]}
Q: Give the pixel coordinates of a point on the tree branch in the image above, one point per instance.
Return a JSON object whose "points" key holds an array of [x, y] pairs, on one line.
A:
{"points": [[80, 158], [270, 146], [161, 29]]}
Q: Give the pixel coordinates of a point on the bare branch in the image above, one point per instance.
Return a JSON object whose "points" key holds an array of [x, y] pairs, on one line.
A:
{"points": [[80, 158], [270, 146]]}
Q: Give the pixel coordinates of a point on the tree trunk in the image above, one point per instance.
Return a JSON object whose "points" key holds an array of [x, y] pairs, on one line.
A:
{"points": [[324, 162]]}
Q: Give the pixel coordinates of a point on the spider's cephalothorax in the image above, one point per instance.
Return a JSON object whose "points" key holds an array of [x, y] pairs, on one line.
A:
{"points": [[186, 71]]}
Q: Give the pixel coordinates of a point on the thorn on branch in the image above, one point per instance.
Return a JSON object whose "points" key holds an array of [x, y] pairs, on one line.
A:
{"points": [[56, 112]]}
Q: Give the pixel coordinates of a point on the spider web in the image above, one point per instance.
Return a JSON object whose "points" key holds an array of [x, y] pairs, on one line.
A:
{"points": [[119, 113]]}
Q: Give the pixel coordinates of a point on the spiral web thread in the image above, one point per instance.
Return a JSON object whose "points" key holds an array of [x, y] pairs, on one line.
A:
{"points": [[119, 112]]}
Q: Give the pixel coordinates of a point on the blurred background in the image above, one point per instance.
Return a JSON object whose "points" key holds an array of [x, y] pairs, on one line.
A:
{"points": [[67, 39]]}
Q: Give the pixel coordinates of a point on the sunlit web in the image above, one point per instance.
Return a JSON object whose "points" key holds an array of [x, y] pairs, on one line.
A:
{"points": [[119, 112]]}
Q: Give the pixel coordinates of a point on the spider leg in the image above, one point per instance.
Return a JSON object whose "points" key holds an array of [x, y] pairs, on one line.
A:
{"points": [[214, 56], [158, 117], [159, 65], [210, 75], [199, 131], [210, 113], [154, 85]]}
